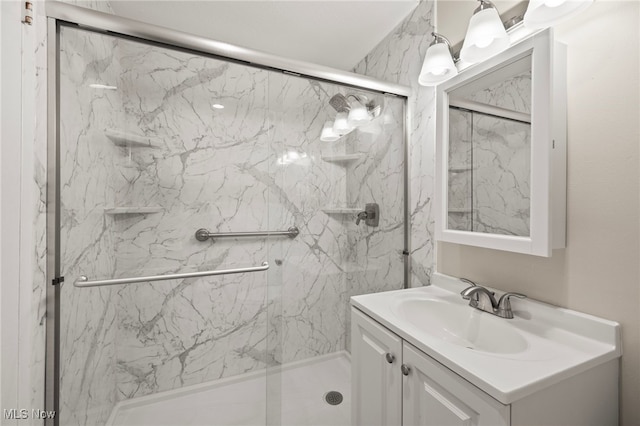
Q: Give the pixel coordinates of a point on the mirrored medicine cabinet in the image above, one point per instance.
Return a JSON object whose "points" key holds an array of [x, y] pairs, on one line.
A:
{"points": [[501, 150]]}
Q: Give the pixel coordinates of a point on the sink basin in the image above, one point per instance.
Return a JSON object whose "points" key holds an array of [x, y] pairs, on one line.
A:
{"points": [[461, 325]]}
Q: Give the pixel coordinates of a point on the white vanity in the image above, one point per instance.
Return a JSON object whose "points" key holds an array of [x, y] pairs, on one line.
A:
{"points": [[423, 356]]}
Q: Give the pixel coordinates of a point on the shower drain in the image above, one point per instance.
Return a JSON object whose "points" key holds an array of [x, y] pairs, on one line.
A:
{"points": [[333, 397]]}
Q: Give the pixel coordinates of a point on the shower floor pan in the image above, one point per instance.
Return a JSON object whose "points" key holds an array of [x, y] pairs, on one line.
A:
{"points": [[241, 400]]}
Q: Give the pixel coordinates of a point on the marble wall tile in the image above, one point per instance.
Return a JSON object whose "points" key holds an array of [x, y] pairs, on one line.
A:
{"points": [[376, 262], [209, 168], [513, 94], [87, 182], [398, 58], [501, 175]]}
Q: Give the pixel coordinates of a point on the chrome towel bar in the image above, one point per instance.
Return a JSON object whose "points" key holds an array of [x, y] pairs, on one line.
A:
{"points": [[203, 235], [83, 281]]}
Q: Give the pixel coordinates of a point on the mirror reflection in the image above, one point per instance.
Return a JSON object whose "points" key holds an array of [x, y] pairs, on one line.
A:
{"points": [[490, 152]]}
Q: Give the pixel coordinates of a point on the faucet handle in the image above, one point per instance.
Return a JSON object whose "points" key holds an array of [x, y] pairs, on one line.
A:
{"points": [[360, 216], [504, 304], [471, 284]]}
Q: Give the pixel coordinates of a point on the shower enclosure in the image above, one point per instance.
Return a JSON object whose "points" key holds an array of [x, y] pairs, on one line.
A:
{"points": [[156, 134]]}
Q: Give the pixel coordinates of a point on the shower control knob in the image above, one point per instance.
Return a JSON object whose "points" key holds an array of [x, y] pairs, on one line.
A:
{"points": [[405, 369], [390, 358]]}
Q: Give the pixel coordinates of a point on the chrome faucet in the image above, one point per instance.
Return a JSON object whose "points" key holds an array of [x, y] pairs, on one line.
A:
{"points": [[483, 299], [370, 215], [361, 216], [504, 304]]}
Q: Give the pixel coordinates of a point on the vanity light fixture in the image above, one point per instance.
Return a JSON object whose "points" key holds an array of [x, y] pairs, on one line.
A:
{"points": [[545, 13], [438, 64], [486, 35]]}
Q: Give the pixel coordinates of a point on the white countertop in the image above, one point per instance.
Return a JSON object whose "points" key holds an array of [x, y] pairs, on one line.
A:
{"points": [[559, 343]]}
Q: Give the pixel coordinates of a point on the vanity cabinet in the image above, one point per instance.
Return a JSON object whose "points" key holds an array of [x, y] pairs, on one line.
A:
{"points": [[394, 383]]}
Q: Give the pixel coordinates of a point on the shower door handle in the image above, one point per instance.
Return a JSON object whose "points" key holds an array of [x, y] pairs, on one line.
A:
{"points": [[83, 281]]}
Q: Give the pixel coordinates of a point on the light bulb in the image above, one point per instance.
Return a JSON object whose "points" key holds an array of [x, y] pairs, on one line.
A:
{"points": [[341, 124], [486, 35], [438, 64], [328, 135], [545, 13], [358, 114], [484, 42]]}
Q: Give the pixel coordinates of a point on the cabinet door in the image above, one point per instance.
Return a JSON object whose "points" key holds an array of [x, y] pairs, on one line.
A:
{"points": [[376, 382], [433, 395]]}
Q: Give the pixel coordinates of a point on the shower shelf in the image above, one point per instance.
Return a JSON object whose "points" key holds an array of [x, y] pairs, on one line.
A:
{"points": [[459, 210], [342, 159], [342, 210], [112, 211], [129, 140], [460, 169]]}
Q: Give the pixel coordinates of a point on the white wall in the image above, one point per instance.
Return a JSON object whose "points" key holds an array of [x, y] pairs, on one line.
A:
{"points": [[9, 215], [598, 272]]}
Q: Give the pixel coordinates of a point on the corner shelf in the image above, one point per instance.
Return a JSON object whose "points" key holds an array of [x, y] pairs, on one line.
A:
{"points": [[113, 211], [460, 169], [130, 140], [461, 210], [342, 210], [344, 159]]}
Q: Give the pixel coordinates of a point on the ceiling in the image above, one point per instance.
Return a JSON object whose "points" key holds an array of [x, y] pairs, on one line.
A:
{"points": [[336, 33]]}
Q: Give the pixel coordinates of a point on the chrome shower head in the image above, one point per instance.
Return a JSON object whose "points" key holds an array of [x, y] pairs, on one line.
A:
{"points": [[339, 103]]}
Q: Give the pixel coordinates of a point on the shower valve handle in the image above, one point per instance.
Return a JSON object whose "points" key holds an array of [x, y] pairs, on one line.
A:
{"points": [[370, 215], [361, 216]]}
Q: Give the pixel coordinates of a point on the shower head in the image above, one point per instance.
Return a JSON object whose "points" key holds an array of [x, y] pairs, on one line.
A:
{"points": [[339, 103]]}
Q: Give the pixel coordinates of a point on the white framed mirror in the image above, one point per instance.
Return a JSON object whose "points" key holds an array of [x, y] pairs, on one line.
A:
{"points": [[501, 150]]}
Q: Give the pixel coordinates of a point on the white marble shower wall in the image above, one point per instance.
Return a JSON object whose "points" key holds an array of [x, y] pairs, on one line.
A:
{"points": [[88, 186], [398, 58], [183, 164], [309, 319], [501, 175], [209, 168], [376, 261]]}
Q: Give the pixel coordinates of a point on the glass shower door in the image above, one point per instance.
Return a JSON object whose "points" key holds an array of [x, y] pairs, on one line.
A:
{"points": [[322, 186], [155, 144]]}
